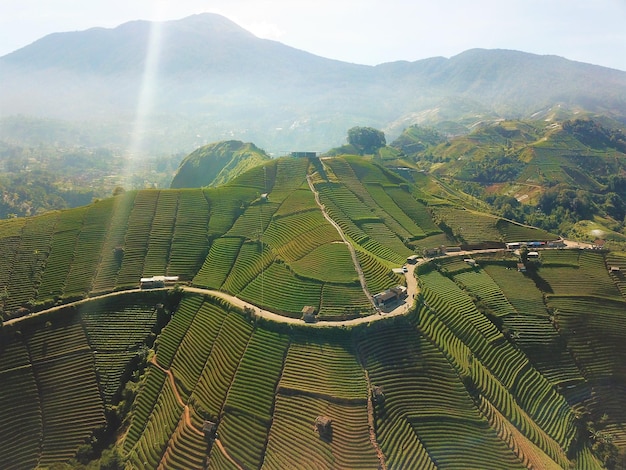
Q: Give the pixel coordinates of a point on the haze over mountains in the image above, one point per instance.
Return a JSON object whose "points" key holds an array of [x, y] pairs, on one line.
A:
{"points": [[205, 79]]}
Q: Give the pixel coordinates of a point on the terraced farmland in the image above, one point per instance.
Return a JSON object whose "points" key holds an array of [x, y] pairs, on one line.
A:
{"points": [[57, 377], [492, 369]]}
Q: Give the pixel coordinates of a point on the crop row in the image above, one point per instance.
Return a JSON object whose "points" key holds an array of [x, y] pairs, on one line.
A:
{"points": [[143, 405], [254, 221], [260, 178], [290, 176], [250, 402], [347, 174], [381, 233], [469, 226], [564, 281], [442, 294], [161, 234], [295, 415], [14, 354], [359, 236], [520, 290], [162, 420], [29, 263], [417, 211], [221, 365], [226, 204], [20, 419], [482, 381], [137, 238], [219, 262], [278, 289], [61, 254], [322, 368], [422, 401], [113, 247], [595, 328], [508, 370], [56, 340], [189, 241], [512, 232], [186, 449], [309, 226], [300, 200], [347, 201], [330, 262], [8, 252], [341, 301], [70, 404], [392, 215], [88, 248], [169, 340], [300, 246], [378, 277], [196, 345], [252, 260], [483, 287]]}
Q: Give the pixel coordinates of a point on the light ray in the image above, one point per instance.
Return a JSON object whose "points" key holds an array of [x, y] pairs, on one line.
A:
{"points": [[145, 102]]}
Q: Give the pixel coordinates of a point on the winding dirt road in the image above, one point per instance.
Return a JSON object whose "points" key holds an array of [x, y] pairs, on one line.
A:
{"points": [[355, 260]]}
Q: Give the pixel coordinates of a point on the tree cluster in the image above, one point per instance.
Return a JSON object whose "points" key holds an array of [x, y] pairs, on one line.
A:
{"points": [[366, 140]]}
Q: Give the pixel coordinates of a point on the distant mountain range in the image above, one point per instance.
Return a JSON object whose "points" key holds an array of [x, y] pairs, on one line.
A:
{"points": [[203, 78]]}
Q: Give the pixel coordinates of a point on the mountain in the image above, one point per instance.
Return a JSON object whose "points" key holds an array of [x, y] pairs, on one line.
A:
{"points": [[292, 341], [217, 163], [202, 79]]}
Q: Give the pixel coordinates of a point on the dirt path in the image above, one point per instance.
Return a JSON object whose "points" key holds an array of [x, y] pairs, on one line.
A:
{"points": [[402, 309], [74, 304], [187, 413], [355, 260], [371, 420]]}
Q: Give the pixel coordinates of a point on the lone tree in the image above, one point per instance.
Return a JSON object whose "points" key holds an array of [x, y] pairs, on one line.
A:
{"points": [[366, 139]]}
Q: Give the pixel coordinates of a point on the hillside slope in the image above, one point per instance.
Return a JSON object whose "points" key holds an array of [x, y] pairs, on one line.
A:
{"points": [[491, 368], [571, 170], [217, 163]]}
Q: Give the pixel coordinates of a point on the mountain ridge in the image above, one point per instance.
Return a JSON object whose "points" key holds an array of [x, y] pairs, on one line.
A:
{"points": [[222, 81]]}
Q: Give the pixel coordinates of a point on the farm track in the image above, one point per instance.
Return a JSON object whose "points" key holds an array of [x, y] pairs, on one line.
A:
{"points": [[186, 413], [402, 309], [355, 260]]}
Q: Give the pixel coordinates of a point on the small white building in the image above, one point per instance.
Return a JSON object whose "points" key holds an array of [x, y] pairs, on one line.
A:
{"points": [[157, 281]]}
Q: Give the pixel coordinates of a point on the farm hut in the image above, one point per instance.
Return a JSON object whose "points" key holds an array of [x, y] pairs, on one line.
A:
{"points": [[386, 298], [308, 314], [614, 269], [470, 261], [377, 394], [533, 255], [521, 267], [412, 259], [431, 252], [323, 426], [397, 270], [209, 428]]}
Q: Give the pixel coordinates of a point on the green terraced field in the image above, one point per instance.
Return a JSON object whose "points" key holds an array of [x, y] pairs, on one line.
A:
{"points": [[493, 369]]}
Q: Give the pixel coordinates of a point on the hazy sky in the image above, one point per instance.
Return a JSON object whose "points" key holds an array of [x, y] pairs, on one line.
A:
{"points": [[361, 31]]}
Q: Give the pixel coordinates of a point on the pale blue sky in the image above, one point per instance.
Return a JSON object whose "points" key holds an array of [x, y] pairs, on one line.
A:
{"points": [[361, 31]]}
